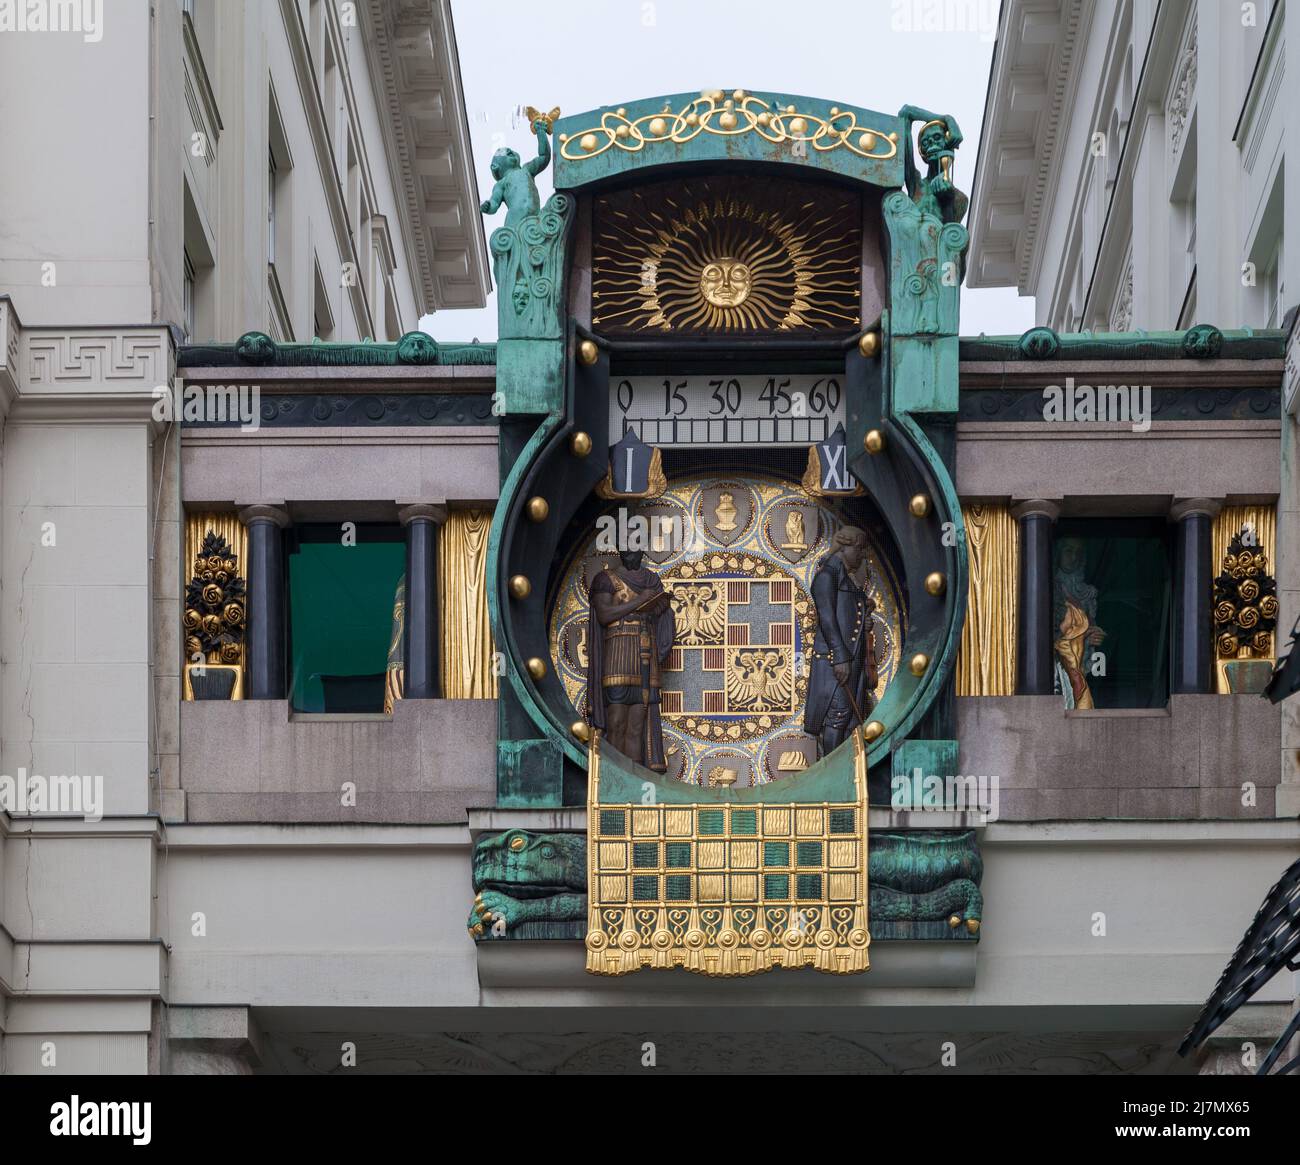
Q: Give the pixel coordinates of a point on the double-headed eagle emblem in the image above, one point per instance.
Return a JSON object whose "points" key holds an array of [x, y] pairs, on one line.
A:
{"points": [[760, 679]]}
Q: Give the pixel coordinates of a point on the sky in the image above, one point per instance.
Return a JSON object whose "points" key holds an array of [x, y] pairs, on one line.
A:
{"points": [[591, 54]]}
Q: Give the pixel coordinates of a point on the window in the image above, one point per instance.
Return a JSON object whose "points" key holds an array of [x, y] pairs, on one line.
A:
{"points": [[270, 210], [187, 298], [341, 598], [322, 314], [1111, 611]]}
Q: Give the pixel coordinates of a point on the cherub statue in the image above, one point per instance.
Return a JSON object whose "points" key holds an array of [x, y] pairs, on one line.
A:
{"points": [[938, 140], [514, 181]]}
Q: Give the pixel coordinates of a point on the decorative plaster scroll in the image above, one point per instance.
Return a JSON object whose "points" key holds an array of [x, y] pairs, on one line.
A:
{"points": [[1184, 88]]}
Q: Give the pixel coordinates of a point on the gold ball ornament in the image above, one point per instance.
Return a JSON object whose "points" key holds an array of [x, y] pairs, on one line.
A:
{"points": [[935, 583], [588, 353], [867, 141], [869, 345], [539, 509], [580, 729], [536, 668], [520, 587], [872, 730], [580, 444], [727, 120], [918, 663], [973, 925], [798, 125], [874, 441], [587, 142], [919, 505], [658, 126]]}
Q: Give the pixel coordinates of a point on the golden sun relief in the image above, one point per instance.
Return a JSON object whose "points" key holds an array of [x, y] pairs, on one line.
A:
{"points": [[722, 255]]}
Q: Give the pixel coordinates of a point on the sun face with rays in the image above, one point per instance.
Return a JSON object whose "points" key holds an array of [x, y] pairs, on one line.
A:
{"points": [[726, 255]]}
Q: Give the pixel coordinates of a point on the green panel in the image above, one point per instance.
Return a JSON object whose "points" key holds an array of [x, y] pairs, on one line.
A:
{"points": [[677, 887], [710, 822], [677, 855], [645, 888], [645, 855], [844, 821], [776, 853], [925, 374], [776, 885], [931, 757], [530, 376], [808, 886], [809, 853], [744, 822], [613, 822], [530, 774], [341, 616]]}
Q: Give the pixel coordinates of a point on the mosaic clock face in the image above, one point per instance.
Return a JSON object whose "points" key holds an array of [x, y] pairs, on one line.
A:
{"points": [[734, 685]]}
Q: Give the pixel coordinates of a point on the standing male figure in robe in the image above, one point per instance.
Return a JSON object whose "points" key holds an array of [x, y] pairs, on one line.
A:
{"points": [[843, 673], [630, 633]]}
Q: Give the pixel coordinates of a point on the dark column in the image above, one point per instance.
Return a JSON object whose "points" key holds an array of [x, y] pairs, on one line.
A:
{"points": [[421, 522], [266, 613], [1193, 629], [1034, 597]]}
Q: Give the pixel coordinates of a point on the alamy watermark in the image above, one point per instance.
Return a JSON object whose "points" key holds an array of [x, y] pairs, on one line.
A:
{"points": [[209, 404], [65, 795], [83, 16], [977, 16], [1124, 404], [923, 792]]}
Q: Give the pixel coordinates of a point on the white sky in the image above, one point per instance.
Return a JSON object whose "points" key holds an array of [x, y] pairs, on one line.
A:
{"points": [[590, 54]]}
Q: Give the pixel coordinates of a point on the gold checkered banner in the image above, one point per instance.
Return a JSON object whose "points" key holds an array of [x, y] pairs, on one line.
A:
{"points": [[725, 888]]}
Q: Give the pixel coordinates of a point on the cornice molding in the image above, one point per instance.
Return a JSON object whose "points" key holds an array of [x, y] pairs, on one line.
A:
{"points": [[1039, 152], [426, 114]]}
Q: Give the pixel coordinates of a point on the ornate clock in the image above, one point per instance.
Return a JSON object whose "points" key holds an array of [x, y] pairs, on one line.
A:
{"points": [[728, 567]]}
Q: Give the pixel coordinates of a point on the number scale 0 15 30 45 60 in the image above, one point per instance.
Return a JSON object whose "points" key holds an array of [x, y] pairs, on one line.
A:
{"points": [[709, 409]]}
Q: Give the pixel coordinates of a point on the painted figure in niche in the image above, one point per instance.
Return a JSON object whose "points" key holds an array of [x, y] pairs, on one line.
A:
{"points": [[395, 670], [631, 628], [1074, 614], [843, 675]]}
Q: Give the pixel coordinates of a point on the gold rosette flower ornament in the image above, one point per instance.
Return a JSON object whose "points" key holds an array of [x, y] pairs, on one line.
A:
{"points": [[1245, 601], [214, 604]]}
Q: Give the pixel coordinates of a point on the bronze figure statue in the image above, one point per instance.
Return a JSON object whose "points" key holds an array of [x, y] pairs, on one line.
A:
{"points": [[514, 181], [630, 633], [843, 676]]}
